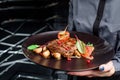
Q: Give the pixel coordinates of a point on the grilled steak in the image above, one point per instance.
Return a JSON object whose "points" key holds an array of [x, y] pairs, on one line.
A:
{"points": [[65, 48]]}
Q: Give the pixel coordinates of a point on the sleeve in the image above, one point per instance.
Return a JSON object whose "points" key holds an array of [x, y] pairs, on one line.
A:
{"points": [[113, 38], [116, 59]]}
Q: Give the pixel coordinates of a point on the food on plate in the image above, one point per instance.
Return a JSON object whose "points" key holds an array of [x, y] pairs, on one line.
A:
{"points": [[64, 47], [63, 35]]}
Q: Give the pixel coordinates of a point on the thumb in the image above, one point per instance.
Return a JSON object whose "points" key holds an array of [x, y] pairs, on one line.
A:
{"points": [[106, 67]]}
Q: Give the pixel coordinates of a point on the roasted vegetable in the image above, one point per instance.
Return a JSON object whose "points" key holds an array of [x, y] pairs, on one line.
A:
{"points": [[56, 55], [38, 50], [46, 54]]}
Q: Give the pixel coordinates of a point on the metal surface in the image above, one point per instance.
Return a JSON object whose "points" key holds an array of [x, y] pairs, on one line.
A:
{"points": [[12, 61]]}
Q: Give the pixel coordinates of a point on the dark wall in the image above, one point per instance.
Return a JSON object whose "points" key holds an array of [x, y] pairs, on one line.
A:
{"points": [[53, 11]]}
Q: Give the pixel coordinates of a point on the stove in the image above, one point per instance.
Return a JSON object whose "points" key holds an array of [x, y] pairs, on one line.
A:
{"points": [[19, 19]]}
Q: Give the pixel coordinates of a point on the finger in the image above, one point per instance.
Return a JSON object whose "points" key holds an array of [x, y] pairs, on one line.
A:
{"points": [[84, 73], [106, 67]]}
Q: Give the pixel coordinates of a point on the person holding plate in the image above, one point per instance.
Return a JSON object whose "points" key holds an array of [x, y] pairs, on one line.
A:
{"points": [[102, 19]]}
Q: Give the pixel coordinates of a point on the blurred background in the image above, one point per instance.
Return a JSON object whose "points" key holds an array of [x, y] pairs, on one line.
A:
{"points": [[20, 19]]}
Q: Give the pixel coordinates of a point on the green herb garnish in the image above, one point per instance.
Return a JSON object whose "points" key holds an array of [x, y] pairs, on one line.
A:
{"points": [[80, 45], [89, 44], [32, 47]]}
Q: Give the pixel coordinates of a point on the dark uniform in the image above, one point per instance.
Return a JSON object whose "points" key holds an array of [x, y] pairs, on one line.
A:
{"points": [[100, 18]]}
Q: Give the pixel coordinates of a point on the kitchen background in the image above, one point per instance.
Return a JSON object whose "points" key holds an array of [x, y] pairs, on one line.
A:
{"points": [[20, 19]]}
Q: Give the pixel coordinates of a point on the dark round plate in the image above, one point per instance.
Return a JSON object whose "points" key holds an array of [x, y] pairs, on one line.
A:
{"points": [[103, 52]]}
